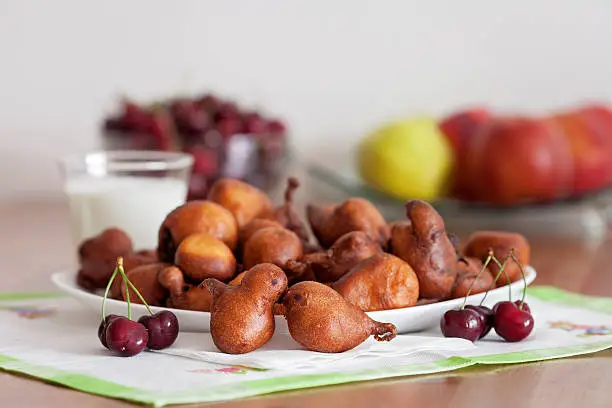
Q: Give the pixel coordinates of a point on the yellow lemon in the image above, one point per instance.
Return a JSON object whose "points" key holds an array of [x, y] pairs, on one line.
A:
{"points": [[408, 159]]}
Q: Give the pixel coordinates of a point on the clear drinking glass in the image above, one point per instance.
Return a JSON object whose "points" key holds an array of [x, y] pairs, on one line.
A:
{"points": [[132, 190]]}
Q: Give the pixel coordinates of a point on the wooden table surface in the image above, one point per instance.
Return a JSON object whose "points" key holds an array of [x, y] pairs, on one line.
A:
{"points": [[36, 241]]}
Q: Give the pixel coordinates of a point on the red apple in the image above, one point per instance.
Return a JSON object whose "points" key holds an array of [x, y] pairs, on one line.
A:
{"points": [[459, 128], [591, 162], [598, 119], [515, 160]]}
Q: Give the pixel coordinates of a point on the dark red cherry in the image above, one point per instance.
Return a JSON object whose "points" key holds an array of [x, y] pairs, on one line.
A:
{"points": [[134, 118], [486, 315], [511, 323], [126, 337], [160, 130], [276, 126], [463, 323], [188, 116], [205, 161], [163, 329], [253, 123], [209, 103], [229, 126], [102, 328], [227, 110], [525, 307], [198, 187]]}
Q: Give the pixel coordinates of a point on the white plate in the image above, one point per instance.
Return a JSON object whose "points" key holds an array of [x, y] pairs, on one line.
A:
{"points": [[409, 319]]}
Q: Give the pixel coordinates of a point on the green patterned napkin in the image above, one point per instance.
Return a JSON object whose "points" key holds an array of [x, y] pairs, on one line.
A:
{"points": [[52, 339]]}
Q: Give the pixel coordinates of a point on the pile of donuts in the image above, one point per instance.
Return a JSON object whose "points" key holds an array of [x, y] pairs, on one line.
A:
{"points": [[240, 257]]}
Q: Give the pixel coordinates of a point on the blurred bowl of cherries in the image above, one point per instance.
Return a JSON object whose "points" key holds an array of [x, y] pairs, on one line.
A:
{"points": [[225, 139]]}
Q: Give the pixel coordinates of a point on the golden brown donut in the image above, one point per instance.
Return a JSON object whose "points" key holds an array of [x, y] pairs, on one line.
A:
{"points": [[130, 262], [242, 317], [195, 217], [380, 282], [98, 256], [320, 319], [330, 222], [145, 279], [183, 295], [330, 265], [255, 225], [479, 243], [243, 200], [237, 279], [272, 245], [202, 256], [424, 244], [467, 271]]}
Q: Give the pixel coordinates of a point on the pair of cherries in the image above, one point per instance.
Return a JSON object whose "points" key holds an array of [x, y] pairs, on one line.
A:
{"points": [[512, 321], [125, 337]]}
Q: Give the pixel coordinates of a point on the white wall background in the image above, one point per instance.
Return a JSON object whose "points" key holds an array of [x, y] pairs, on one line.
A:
{"points": [[332, 68]]}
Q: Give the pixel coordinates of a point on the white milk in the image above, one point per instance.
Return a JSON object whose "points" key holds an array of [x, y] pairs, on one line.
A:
{"points": [[137, 205]]}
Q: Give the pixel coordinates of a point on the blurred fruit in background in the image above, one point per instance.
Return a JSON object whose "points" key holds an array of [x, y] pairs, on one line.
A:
{"points": [[407, 159], [511, 160], [495, 160], [598, 120], [224, 139], [591, 161], [458, 128]]}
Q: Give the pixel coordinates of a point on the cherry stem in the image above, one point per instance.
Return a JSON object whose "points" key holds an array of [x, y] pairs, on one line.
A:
{"points": [[125, 280], [484, 267], [516, 261], [131, 285], [144, 302], [108, 286], [501, 269]]}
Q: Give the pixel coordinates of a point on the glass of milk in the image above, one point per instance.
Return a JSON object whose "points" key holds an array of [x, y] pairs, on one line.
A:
{"points": [[131, 190]]}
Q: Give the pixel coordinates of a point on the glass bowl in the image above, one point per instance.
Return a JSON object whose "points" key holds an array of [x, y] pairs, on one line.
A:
{"points": [[252, 158]]}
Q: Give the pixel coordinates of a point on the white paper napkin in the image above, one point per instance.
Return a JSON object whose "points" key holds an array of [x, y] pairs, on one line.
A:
{"points": [[55, 340], [283, 353]]}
